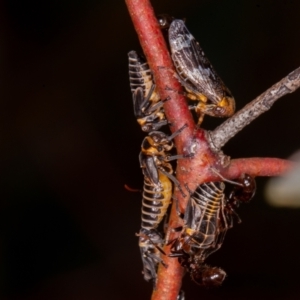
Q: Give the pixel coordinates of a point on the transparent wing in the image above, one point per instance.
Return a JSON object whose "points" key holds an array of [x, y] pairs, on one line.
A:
{"points": [[192, 65]]}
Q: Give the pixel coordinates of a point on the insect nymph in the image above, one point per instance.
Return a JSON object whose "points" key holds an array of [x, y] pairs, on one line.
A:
{"points": [[205, 225], [208, 216], [147, 104], [197, 75], [154, 160]]}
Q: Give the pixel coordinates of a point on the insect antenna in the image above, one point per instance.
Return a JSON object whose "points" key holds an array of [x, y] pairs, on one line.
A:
{"points": [[130, 189], [225, 179]]}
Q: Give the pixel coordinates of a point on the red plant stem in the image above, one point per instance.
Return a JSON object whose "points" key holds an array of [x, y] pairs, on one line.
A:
{"points": [[257, 166], [254, 166], [177, 112], [159, 60], [198, 169]]}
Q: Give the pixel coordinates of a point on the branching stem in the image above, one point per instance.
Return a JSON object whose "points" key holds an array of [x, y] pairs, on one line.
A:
{"points": [[222, 134], [207, 155]]}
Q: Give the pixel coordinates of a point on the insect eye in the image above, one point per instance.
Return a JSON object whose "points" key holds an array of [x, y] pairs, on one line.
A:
{"points": [[162, 22], [219, 111], [147, 128]]}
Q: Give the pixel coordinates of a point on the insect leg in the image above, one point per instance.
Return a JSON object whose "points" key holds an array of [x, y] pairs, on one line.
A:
{"points": [[173, 178], [165, 225], [179, 213], [224, 179], [140, 103], [176, 254], [188, 189], [179, 156], [147, 238], [157, 105], [177, 132], [130, 189], [181, 295], [152, 124]]}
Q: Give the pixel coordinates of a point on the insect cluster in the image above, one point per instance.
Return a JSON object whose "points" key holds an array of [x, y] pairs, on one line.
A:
{"points": [[209, 212]]}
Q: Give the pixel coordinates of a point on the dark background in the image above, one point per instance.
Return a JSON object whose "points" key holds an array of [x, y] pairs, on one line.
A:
{"points": [[69, 143]]}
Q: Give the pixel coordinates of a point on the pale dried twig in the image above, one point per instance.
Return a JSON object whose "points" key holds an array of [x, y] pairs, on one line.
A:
{"points": [[228, 129]]}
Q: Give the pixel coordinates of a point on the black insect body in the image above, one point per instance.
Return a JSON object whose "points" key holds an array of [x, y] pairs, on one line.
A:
{"points": [[205, 226], [157, 194], [164, 21], [208, 216], [147, 104], [150, 243], [208, 276], [197, 75], [243, 191]]}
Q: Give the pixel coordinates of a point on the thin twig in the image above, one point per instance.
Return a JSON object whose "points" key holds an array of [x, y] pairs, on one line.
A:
{"points": [[254, 166], [222, 134]]}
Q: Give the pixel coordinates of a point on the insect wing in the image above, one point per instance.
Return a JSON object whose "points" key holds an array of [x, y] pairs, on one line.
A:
{"points": [[138, 102], [192, 215], [149, 168], [149, 266], [192, 65]]}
